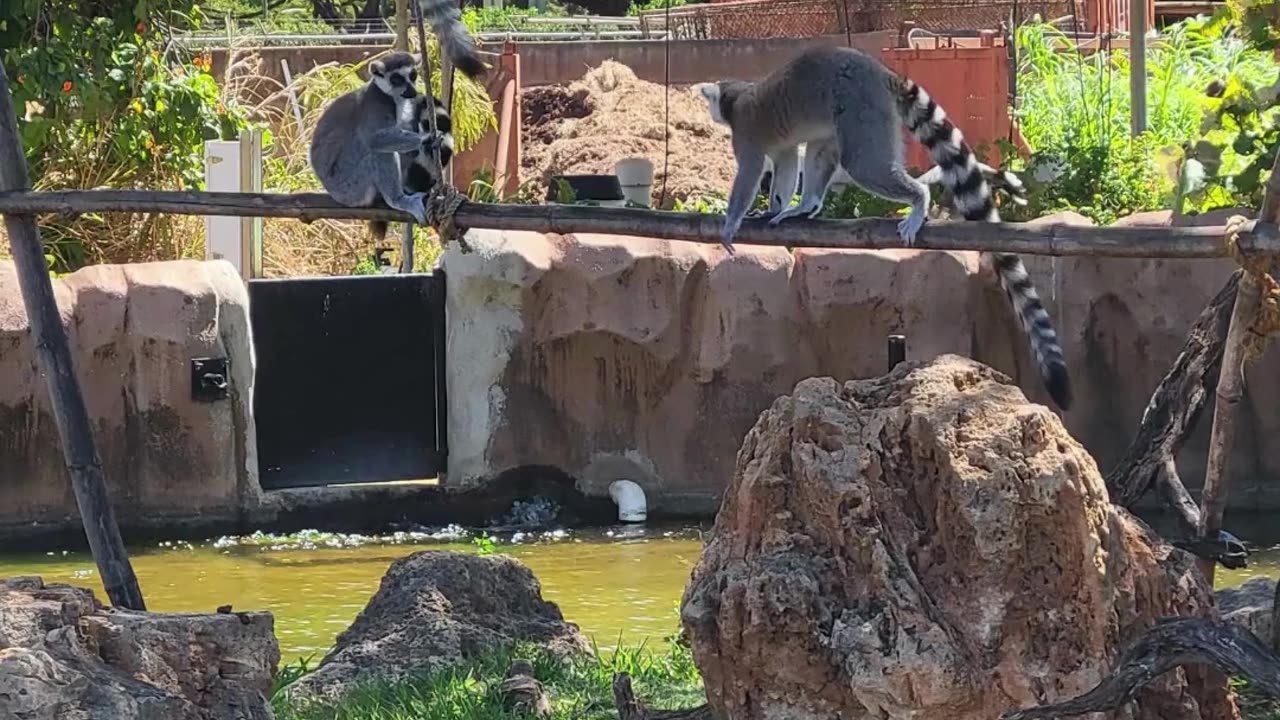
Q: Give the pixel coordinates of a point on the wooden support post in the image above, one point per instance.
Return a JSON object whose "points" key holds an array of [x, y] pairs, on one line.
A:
{"points": [[54, 354], [402, 26], [1213, 501], [1137, 66], [406, 242]]}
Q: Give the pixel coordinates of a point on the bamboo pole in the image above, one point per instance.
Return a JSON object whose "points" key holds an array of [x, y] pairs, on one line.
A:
{"points": [[406, 242], [402, 26], [865, 233], [54, 354], [1137, 66], [1213, 501]]}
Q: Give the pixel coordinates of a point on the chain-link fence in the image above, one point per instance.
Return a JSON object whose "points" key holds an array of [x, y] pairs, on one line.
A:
{"points": [[808, 18]]}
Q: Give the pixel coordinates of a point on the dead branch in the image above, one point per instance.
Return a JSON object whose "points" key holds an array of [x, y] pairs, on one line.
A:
{"points": [[1172, 412], [1166, 645], [629, 708]]}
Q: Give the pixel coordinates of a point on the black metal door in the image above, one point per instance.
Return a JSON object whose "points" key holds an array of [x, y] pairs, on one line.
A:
{"points": [[350, 378]]}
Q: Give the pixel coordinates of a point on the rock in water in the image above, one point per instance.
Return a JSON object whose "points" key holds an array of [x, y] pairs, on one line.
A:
{"points": [[65, 657], [436, 608], [1249, 605], [928, 544]]}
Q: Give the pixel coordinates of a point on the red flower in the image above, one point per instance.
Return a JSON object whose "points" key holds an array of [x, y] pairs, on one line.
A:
{"points": [[66, 86], [142, 27]]}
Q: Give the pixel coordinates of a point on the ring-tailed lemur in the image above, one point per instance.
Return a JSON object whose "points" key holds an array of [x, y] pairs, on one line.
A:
{"points": [[356, 144], [419, 174], [853, 107]]}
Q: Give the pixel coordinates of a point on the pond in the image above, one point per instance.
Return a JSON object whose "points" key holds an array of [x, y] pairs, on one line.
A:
{"points": [[619, 583]]}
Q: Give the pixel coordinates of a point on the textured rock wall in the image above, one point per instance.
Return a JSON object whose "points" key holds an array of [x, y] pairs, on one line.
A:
{"points": [[615, 357], [133, 330]]}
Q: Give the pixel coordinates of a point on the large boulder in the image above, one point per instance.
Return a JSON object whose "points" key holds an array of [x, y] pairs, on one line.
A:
{"points": [[65, 657], [436, 608], [927, 544]]}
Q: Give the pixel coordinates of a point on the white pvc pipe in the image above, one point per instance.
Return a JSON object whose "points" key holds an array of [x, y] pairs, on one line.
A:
{"points": [[630, 500]]}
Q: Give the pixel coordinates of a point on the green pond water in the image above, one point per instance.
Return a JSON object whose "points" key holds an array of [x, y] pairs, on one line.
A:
{"points": [[615, 583], [619, 583]]}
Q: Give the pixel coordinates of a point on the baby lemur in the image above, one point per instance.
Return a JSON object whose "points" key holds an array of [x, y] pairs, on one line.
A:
{"points": [[849, 110], [419, 173]]}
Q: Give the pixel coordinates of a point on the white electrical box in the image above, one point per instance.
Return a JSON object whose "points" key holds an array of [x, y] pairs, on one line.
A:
{"points": [[234, 166]]}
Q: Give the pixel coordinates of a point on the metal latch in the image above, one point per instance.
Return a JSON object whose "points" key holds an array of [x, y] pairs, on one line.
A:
{"points": [[209, 379]]}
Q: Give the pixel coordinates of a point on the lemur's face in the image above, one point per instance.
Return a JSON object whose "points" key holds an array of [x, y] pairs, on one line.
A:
{"points": [[711, 93], [396, 82]]}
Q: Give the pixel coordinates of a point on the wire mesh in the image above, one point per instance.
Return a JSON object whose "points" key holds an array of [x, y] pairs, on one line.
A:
{"points": [[808, 18]]}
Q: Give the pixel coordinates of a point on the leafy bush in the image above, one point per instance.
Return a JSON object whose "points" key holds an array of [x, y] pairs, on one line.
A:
{"points": [[1074, 113], [104, 101], [1233, 159]]}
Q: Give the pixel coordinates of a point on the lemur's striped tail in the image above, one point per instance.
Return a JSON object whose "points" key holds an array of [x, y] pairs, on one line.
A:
{"points": [[962, 174], [445, 19]]}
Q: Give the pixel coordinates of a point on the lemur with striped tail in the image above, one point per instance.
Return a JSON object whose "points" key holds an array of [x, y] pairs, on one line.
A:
{"points": [[848, 98]]}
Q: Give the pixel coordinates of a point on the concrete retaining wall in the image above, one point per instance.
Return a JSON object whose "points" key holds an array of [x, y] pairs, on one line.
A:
{"points": [[612, 357], [602, 357], [133, 330]]}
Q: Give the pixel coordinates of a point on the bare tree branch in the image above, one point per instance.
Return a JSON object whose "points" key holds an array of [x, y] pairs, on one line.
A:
{"points": [[1168, 644]]}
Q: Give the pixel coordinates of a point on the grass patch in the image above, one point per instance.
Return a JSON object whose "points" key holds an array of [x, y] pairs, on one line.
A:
{"points": [[580, 688], [1254, 705]]}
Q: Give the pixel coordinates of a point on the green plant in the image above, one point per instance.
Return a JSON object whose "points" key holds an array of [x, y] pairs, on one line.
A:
{"points": [[287, 675], [640, 7], [106, 101], [1239, 129], [1074, 112], [483, 544]]}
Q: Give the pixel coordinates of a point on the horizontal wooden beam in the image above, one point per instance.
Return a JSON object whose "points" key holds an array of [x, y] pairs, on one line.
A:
{"points": [[866, 233]]}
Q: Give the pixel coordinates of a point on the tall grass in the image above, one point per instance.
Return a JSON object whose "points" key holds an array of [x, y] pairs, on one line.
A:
{"points": [[1069, 98]]}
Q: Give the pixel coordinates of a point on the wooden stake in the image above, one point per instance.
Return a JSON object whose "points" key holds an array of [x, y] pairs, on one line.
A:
{"points": [[1213, 501], [78, 449], [402, 26], [1137, 66], [863, 233]]}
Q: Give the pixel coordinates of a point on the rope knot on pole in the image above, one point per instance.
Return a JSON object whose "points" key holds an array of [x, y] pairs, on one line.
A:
{"points": [[442, 206], [1266, 321]]}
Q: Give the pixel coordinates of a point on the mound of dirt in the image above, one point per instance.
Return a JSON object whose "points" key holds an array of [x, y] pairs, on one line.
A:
{"points": [[610, 115]]}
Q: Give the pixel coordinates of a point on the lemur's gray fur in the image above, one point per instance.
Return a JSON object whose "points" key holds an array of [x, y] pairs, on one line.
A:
{"points": [[818, 156], [849, 110], [356, 145], [445, 19]]}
